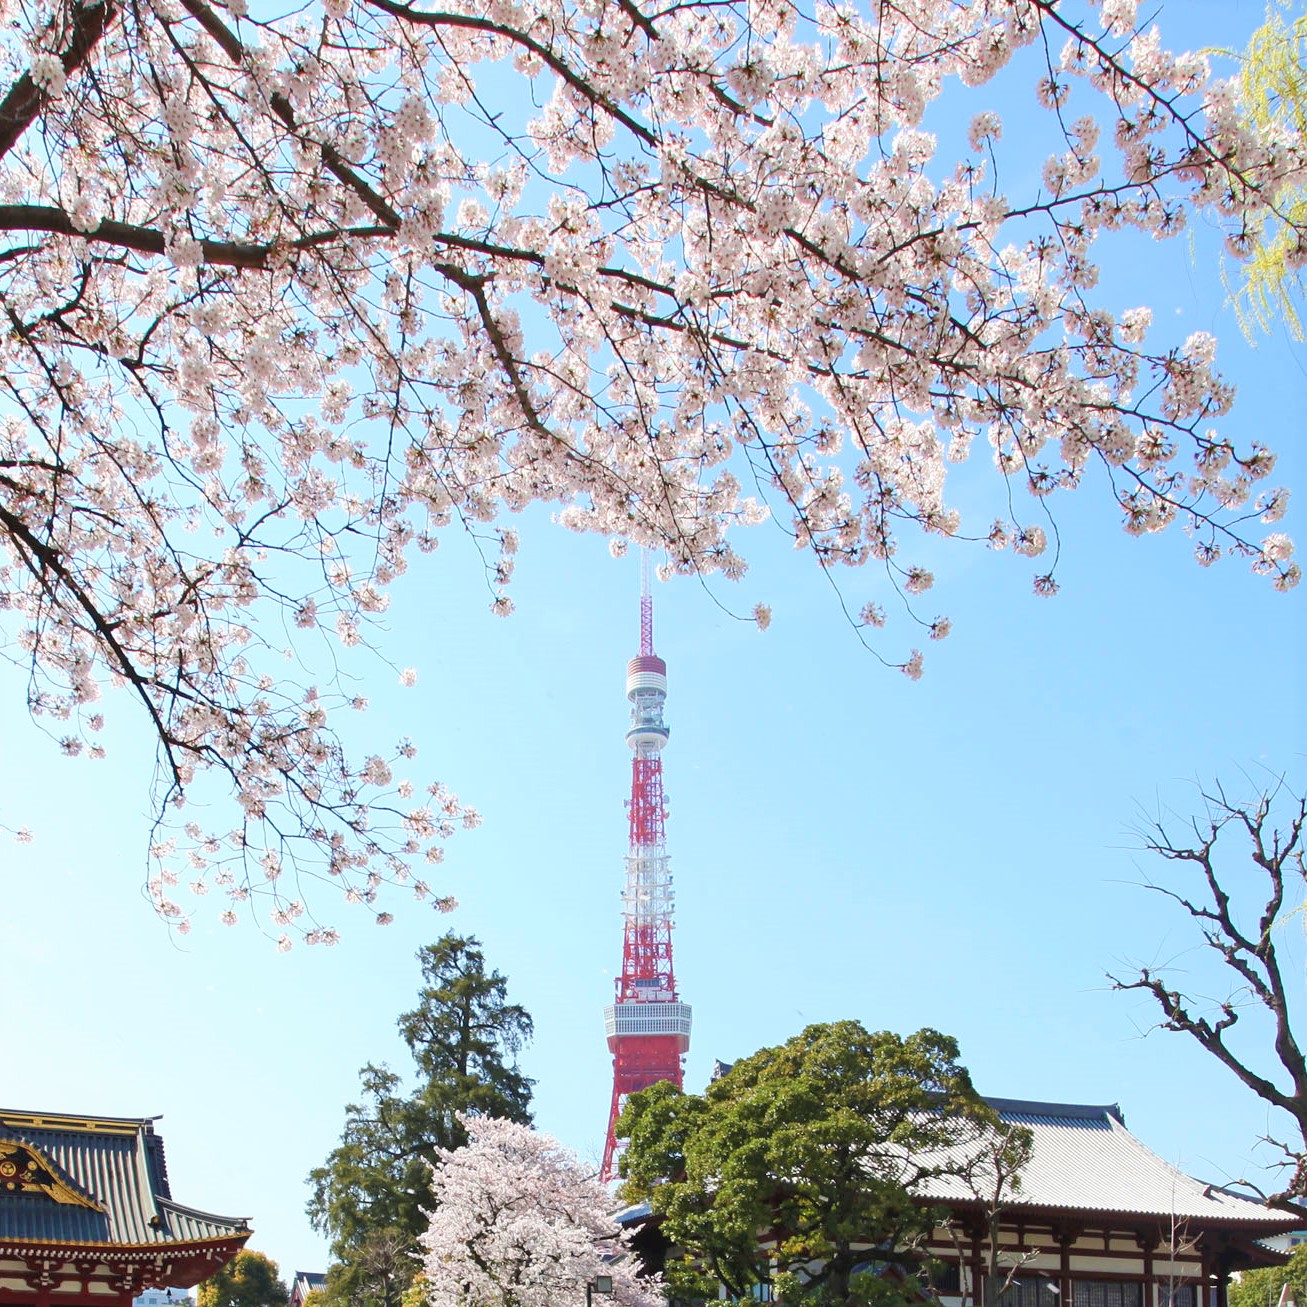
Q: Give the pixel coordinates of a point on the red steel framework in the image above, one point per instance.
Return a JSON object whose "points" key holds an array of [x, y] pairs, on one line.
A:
{"points": [[648, 1027]]}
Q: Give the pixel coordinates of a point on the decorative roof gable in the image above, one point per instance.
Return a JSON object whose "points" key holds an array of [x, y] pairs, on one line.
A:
{"points": [[24, 1170], [94, 1181]]}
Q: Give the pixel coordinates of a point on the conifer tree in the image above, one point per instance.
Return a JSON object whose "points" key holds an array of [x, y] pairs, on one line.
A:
{"points": [[372, 1193]]}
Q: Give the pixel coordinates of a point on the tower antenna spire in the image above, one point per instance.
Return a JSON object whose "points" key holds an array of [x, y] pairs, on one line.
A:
{"points": [[646, 605], [648, 1027]]}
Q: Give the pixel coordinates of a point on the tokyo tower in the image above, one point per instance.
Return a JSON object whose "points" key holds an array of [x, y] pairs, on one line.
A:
{"points": [[648, 1027]]}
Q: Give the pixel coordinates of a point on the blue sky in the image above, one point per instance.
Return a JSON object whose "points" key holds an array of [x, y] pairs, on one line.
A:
{"points": [[956, 852]]}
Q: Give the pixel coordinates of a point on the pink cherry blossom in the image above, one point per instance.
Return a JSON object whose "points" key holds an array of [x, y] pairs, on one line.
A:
{"points": [[520, 1222], [287, 303]]}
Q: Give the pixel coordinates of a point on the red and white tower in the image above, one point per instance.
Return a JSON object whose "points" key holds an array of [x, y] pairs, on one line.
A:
{"points": [[648, 1026]]}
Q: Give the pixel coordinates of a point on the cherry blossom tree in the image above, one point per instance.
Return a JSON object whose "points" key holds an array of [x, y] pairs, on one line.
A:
{"points": [[287, 295], [519, 1222]]}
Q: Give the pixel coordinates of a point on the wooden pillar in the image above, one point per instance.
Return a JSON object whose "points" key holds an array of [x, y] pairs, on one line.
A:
{"points": [[1148, 1296], [977, 1271], [1065, 1239]]}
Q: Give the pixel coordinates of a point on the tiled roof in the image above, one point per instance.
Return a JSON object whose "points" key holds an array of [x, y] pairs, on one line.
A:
{"points": [[1084, 1158], [634, 1214], [110, 1185]]}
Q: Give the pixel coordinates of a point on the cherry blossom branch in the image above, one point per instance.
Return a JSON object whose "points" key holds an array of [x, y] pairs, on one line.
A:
{"points": [[47, 560], [281, 106], [439, 18], [147, 240], [24, 100]]}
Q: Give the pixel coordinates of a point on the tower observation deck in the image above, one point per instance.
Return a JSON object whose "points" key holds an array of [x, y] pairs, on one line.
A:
{"points": [[648, 1027]]}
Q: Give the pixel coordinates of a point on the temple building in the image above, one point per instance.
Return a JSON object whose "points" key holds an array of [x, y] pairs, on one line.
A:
{"points": [[1097, 1220], [87, 1216], [305, 1283]]}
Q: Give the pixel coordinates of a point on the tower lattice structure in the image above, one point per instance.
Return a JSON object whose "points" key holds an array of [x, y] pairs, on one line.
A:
{"points": [[648, 1026]]}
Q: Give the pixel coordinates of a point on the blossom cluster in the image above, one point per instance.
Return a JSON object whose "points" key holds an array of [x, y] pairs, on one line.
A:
{"points": [[290, 297], [518, 1221]]}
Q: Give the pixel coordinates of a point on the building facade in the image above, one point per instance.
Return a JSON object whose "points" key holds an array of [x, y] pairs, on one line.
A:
{"points": [[87, 1216], [1096, 1219]]}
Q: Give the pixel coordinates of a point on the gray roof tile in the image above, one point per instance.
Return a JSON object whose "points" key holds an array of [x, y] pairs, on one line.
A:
{"points": [[1085, 1158]]}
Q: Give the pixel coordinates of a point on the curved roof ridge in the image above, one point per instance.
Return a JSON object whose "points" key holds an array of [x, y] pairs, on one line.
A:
{"points": [[181, 1209], [76, 1121], [1067, 1111]]}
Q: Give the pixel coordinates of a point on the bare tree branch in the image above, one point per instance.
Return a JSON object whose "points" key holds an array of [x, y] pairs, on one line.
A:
{"points": [[1272, 826]]}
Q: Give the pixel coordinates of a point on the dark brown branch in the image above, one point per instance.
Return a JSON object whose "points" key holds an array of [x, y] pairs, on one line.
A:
{"points": [[23, 102], [43, 558], [1251, 956], [147, 240]]}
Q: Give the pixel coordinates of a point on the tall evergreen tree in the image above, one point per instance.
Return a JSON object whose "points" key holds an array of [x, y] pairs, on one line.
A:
{"points": [[370, 1195]]}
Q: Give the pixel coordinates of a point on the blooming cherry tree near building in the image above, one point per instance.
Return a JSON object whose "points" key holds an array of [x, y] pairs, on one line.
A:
{"points": [[519, 1222], [288, 295]]}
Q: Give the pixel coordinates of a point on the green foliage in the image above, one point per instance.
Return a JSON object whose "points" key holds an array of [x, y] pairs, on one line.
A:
{"points": [[1274, 92], [804, 1153], [1261, 1288], [250, 1279], [416, 1293], [370, 1195]]}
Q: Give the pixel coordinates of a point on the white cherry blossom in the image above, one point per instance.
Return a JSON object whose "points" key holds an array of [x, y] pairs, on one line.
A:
{"points": [[518, 1221], [290, 295]]}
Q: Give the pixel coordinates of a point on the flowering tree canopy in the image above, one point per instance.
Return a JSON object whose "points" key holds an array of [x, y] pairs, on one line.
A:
{"points": [[519, 1222], [288, 295]]}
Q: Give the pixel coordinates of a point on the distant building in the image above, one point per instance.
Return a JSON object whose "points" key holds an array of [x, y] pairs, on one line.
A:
{"points": [[304, 1283], [169, 1297], [87, 1216]]}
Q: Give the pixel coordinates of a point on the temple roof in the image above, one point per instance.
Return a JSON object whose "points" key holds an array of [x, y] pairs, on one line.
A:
{"points": [[1085, 1159], [93, 1181], [305, 1283]]}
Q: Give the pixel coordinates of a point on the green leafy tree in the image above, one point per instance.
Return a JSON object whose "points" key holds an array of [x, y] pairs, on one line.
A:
{"points": [[1274, 95], [799, 1164], [1261, 1288], [370, 1195], [250, 1279]]}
